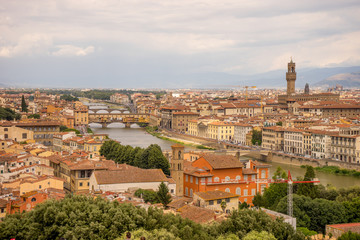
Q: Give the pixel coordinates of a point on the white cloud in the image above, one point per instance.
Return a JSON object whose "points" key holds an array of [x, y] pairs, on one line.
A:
{"points": [[29, 44], [70, 50]]}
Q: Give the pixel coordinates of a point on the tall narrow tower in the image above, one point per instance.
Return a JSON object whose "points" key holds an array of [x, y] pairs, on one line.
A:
{"points": [[177, 168], [291, 78]]}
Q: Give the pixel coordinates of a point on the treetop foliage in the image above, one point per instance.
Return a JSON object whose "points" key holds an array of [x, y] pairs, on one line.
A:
{"points": [[8, 114], [147, 158], [82, 217]]}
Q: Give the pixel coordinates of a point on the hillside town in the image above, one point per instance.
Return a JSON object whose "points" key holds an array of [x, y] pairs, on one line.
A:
{"points": [[48, 149]]}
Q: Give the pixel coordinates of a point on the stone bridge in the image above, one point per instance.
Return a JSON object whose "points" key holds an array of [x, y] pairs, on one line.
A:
{"points": [[114, 117], [107, 110]]}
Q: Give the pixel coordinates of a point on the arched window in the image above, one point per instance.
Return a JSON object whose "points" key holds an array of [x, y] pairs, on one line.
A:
{"points": [[227, 178], [227, 190], [216, 179], [33, 199], [238, 177], [238, 191], [179, 153], [6, 129]]}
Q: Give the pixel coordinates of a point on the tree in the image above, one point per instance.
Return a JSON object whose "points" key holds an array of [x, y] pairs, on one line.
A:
{"points": [[256, 137], [349, 236], [314, 214], [308, 189], [23, 104], [263, 235], [223, 205], [35, 116], [163, 194], [8, 114]]}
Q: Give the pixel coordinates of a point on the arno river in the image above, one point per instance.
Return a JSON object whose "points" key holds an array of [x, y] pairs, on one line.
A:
{"points": [[136, 136]]}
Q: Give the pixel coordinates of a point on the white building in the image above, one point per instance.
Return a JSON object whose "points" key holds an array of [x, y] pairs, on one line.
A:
{"points": [[293, 141], [320, 144], [240, 131], [120, 180]]}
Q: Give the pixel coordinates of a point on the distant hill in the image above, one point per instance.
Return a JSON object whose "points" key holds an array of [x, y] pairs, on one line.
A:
{"points": [[347, 80], [272, 79]]}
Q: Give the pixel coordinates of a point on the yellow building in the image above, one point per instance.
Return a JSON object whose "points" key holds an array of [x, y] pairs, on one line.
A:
{"points": [[41, 183], [43, 130], [217, 200], [221, 131], [81, 115], [93, 146], [3, 204], [15, 133]]}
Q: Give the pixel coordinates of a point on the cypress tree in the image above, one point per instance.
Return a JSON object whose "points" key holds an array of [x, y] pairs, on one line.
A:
{"points": [[23, 104]]}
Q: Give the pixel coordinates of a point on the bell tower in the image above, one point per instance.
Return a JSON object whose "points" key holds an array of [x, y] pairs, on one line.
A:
{"points": [[291, 78], [177, 168]]}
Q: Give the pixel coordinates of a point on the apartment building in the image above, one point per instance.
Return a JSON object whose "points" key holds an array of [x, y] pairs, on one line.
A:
{"points": [[180, 120], [293, 141], [240, 132], [221, 131], [345, 148], [273, 138]]}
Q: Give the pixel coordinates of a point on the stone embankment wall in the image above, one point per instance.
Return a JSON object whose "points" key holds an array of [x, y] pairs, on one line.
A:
{"points": [[298, 161]]}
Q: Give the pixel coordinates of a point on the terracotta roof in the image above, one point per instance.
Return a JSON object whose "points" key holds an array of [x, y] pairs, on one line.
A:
{"points": [[185, 113], [248, 171], [133, 175], [197, 214], [213, 195], [222, 161]]}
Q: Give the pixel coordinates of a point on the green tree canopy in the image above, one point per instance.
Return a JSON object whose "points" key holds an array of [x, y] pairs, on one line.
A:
{"points": [[254, 235], [8, 114]]}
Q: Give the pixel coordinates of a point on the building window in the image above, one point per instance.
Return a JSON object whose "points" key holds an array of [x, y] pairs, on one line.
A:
{"points": [[263, 174], [80, 184], [216, 179], [219, 201], [238, 177], [186, 178], [245, 192], [227, 178], [191, 192], [245, 177], [253, 177], [33, 199], [211, 202], [6, 129], [191, 179], [6, 136], [196, 180], [227, 190], [238, 191], [253, 192], [227, 200]]}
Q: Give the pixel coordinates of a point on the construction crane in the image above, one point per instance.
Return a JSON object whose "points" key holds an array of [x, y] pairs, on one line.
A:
{"points": [[290, 183], [246, 91]]}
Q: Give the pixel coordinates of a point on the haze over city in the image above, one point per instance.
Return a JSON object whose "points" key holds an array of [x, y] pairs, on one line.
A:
{"points": [[162, 44]]}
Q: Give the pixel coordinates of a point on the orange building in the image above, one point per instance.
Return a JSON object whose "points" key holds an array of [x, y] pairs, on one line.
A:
{"points": [[226, 173], [26, 202]]}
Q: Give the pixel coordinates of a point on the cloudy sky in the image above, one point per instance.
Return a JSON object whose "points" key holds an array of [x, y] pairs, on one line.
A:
{"points": [[164, 43]]}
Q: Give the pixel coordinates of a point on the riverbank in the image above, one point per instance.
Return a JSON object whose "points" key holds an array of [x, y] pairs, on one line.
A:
{"points": [[155, 132], [337, 171]]}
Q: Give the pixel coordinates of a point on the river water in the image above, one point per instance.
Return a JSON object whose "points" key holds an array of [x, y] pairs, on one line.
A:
{"points": [[138, 137]]}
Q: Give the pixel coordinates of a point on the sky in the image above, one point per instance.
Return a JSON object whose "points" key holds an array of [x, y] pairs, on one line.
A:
{"points": [[164, 43]]}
